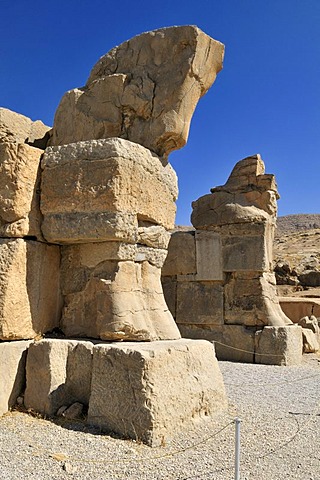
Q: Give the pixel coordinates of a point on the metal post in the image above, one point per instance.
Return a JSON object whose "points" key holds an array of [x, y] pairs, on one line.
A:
{"points": [[237, 450]]}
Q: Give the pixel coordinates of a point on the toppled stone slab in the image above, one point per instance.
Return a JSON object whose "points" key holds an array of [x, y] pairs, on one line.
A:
{"points": [[310, 341], [19, 190], [17, 128], [58, 373], [30, 302], [144, 90], [311, 323], [12, 372], [100, 182], [279, 345], [151, 391]]}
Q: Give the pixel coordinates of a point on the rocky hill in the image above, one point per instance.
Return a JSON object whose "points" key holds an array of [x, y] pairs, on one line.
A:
{"points": [[297, 223], [297, 252]]}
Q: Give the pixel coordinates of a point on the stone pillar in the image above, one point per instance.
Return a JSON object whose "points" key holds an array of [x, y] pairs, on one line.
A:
{"points": [[228, 291], [29, 268], [109, 203]]}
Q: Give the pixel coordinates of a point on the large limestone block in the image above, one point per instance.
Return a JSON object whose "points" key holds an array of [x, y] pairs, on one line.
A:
{"points": [[58, 374], [199, 303], [181, 259], [152, 391], [233, 343], [144, 90], [297, 308], [97, 182], [245, 253], [279, 345], [12, 372], [154, 236], [82, 260], [29, 285], [249, 196], [17, 128], [116, 301], [19, 190], [70, 228], [251, 299], [209, 256]]}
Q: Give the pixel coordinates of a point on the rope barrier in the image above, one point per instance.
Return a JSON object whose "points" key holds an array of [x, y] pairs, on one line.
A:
{"points": [[268, 384], [248, 351], [64, 457], [304, 425]]}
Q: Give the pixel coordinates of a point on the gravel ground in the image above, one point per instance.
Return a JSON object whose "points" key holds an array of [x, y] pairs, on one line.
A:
{"points": [[279, 408]]}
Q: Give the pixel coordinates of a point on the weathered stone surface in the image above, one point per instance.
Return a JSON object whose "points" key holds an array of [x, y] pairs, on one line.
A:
{"points": [[155, 256], [233, 343], [224, 208], [181, 259], [154, 236], [310, 341], [311, 323], [297, 308], [71, 228], [111, 181], [169, 286], [135, 393], [249, 195], [17, 128], [244, 254], [12, 372], [29, 284], [199, 303], [19, 190], [252, 300], [209, 256], [279, 345], [58, 373], [144, 90], [116, 301], [74, 411]]}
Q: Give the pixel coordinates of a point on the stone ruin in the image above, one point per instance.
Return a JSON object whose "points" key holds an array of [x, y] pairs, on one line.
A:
{"points": [[85, 214], [84, 234], [218, 278]]}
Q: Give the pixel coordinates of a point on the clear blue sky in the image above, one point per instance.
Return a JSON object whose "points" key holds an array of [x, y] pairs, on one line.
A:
{"points": [[266, 99]]}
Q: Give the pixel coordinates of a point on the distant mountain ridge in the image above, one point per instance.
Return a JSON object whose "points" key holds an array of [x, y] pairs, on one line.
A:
{"points": [[297, 223]]}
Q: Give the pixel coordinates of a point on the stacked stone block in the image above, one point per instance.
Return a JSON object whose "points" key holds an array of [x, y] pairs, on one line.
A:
{"points": [[29, 266], [218, 279], [87, 234], [99, 199]]}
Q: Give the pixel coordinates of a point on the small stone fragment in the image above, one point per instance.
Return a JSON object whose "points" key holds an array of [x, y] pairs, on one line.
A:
{"points": [[74, 411]]}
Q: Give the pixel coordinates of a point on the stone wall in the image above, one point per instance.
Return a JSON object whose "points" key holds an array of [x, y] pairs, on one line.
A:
{"points": [[30, 302]]}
